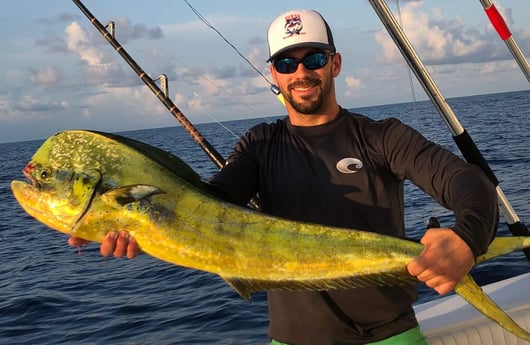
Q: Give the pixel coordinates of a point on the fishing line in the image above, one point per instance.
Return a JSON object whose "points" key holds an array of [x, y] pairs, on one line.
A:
{"points": [[431, 206], [409, 72], [273, 88], [222, 89], [205, 21]]}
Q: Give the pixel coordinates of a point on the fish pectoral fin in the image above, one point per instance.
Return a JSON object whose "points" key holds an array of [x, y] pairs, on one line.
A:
{"points": [[472, 293], [124, 195]]}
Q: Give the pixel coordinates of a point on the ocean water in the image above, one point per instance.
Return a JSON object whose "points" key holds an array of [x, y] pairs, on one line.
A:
{"points": [[52, 294]]}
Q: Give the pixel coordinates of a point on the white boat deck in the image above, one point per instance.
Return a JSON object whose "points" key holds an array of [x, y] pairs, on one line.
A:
{"points": [[453, 321]]}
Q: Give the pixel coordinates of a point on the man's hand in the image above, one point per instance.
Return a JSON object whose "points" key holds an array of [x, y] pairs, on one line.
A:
{"points": [[444, 261], [117, 243]]}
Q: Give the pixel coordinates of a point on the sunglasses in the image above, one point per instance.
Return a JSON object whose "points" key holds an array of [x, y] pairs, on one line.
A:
{"points": [[311, 61]]}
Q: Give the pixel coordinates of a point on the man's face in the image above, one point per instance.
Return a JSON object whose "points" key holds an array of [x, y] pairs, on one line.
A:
{"points": [[306, 90]]}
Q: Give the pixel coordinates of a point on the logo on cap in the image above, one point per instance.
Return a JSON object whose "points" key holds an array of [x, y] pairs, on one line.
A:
{"points": [[293, 25]]}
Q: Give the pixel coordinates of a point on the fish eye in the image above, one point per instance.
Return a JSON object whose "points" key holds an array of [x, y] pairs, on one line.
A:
{"points": [[45, 174]]}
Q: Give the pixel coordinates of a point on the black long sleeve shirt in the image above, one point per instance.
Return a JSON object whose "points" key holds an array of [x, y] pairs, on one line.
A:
{"points": [[350, 173]]}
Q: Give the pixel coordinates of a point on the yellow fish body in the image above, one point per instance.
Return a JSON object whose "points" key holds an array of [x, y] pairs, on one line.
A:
{"points": [[86, 183]]}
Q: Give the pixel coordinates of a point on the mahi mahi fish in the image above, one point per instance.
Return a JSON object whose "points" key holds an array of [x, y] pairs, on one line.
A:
{"points": [[85, 183]]}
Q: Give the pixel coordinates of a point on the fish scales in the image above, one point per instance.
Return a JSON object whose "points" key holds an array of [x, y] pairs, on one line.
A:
{"points": [[86, 183]]}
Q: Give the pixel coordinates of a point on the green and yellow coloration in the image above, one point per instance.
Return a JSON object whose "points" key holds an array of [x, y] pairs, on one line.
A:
{"points": [[87, 183]]}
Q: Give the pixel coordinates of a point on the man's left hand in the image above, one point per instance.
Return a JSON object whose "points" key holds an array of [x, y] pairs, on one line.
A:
{"points": [[444, 261]]}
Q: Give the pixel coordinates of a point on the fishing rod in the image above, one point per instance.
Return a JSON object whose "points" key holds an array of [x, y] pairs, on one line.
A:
{"points": [[502, 29], [461, 137], [212, 153]]}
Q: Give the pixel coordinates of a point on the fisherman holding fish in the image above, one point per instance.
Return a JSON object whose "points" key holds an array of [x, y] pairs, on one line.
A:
{"points": [[323, 164]]}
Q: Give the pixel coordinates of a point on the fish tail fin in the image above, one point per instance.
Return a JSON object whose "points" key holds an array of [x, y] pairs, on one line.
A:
{"points": [[504, 245], [472, 293]]}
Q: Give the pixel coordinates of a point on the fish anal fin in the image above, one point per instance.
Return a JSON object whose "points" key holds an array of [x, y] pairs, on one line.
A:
{"points": [[246, 287], [469, 290], [127, 194], [243, 287]]}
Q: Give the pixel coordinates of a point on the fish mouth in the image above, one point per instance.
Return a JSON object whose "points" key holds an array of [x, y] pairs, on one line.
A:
{"points": [[27, 171], [24, 189], [28, 196]]}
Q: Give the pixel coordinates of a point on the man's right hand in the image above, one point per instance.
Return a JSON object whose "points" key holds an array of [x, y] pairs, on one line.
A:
{"points": [[115, 243]]}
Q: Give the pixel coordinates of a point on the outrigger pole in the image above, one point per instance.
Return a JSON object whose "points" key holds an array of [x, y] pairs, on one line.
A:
{"points": [[213, 154], [461, 137], [504, 32]]}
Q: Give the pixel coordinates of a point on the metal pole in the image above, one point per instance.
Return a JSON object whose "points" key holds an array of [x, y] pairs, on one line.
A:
{"points": [[462, 138], [504, 32]]}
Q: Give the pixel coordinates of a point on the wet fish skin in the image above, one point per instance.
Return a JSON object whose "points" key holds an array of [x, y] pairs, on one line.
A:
{"points": [[86, 183]]}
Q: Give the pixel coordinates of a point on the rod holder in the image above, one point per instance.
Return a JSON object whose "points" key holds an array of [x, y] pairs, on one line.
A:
{"points": [[163, 84], [111, 28]]}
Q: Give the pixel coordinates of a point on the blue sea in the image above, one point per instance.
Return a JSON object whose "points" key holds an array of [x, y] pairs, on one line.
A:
{"points": [[52, 294]]}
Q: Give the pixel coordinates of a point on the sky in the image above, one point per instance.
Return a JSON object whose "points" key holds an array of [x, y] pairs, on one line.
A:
{"points": [[57, 72]]}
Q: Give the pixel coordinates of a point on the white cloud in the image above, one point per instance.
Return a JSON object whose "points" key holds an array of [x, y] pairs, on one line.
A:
{"points": [[130, 104], [128, 31], [178, 98], [197, 104], [212, 85], [33, 106], [46, 76], [441, 39], [78, 42], [353, 84], [99, 68]]}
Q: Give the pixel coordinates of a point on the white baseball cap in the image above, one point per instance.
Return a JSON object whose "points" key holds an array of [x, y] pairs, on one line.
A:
{"points": [[298, 28]]}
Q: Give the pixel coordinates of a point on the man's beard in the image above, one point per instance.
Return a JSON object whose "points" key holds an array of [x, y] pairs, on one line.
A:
{"points": [[306, 106]]}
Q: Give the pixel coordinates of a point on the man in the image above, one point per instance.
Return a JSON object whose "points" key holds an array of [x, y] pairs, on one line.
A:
{"points": [[323, 164]]}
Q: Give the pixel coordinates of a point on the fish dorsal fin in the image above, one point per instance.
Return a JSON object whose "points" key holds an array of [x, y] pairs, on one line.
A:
{"points": [[246, 287], [124, 195]]}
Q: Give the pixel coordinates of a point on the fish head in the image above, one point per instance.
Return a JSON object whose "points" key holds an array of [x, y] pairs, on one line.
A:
{"points": [[56, 192]]}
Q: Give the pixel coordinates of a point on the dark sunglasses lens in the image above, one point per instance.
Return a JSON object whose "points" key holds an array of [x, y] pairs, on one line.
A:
{"points": [[286, 65], [315, 61], [311, 62]]}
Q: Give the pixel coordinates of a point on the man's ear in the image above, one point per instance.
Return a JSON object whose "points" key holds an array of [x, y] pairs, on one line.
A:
{"points": [[336, 61]]}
